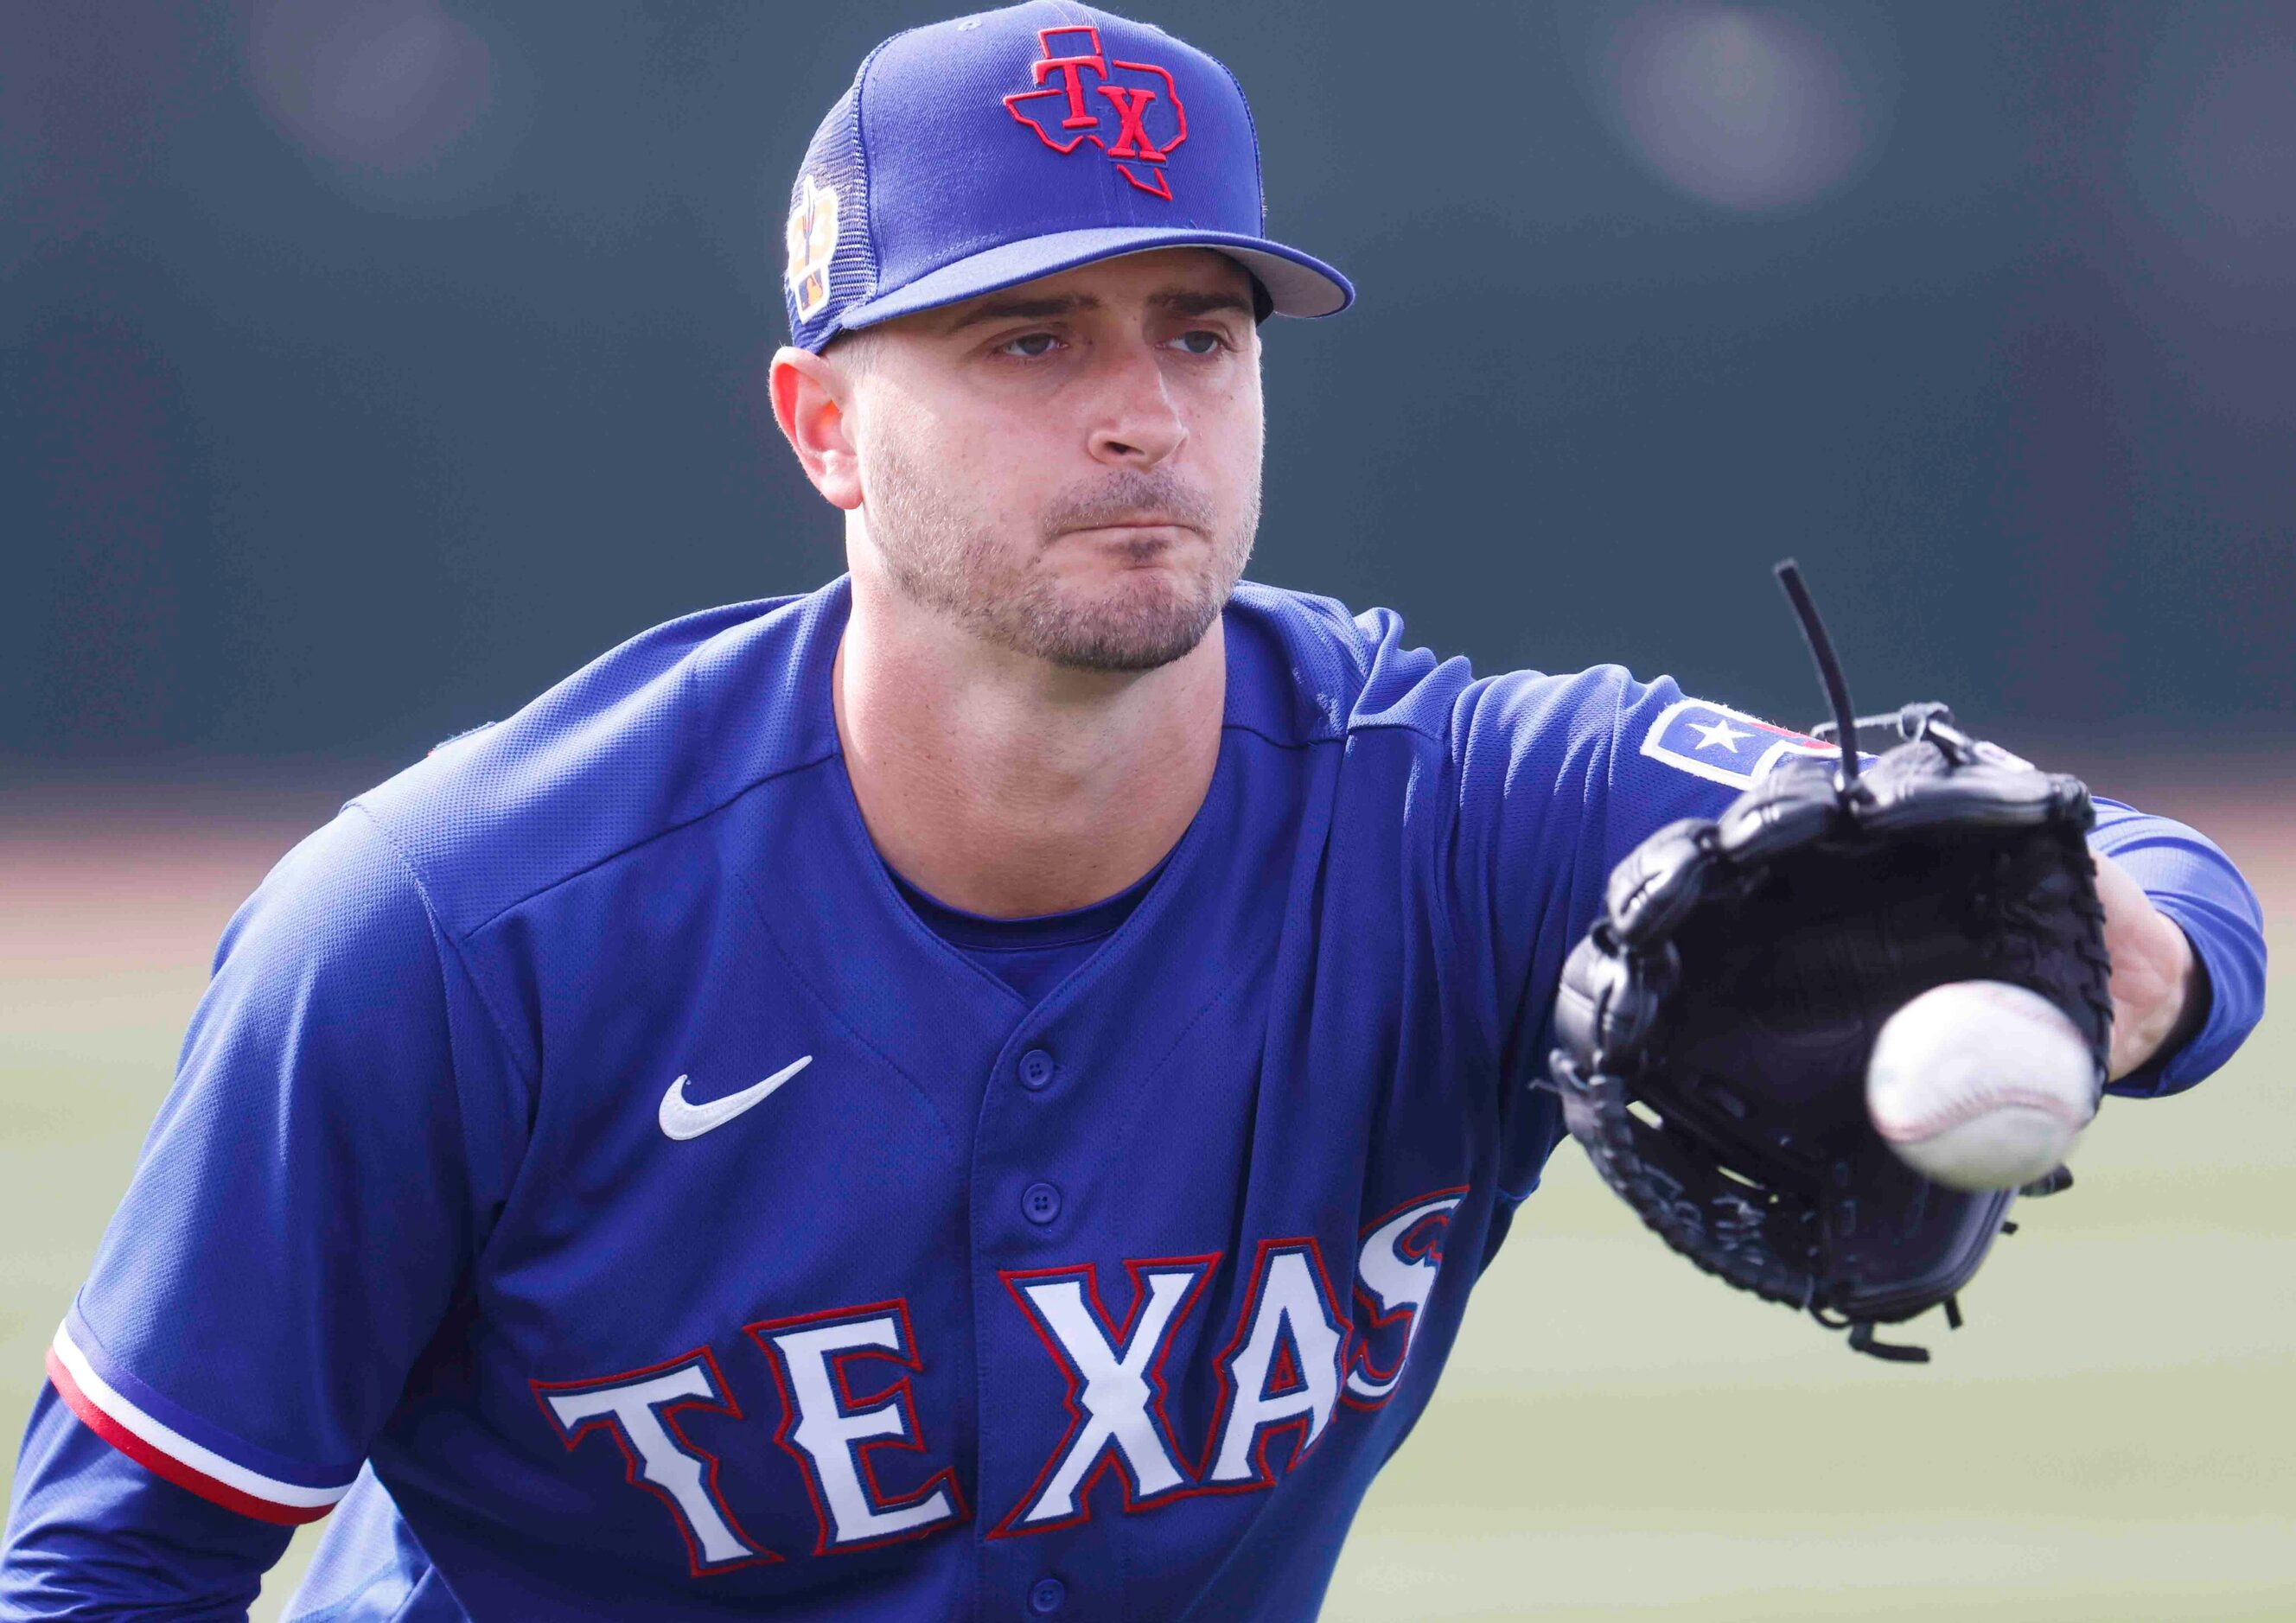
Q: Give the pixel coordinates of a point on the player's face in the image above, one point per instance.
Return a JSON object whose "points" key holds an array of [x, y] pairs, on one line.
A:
{"points": [[1070, 468]]}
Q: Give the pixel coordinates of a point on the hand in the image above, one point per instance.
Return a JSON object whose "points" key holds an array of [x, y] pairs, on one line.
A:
{"points": [[2156, 977]]}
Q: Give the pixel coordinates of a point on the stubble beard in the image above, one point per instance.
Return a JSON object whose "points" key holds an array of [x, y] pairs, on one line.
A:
{"points": [[945, 557]]}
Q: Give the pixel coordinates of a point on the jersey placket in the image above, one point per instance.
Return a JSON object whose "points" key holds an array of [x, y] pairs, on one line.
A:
{"points": [[1093, 1274]]}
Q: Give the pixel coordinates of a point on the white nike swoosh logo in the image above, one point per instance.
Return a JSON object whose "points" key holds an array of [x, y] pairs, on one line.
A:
{"points": [[681, 1120]]}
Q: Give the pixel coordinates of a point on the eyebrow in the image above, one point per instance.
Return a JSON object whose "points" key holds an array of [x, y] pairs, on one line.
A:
{"points": [[1177, 302], [1024, 310], [1201, 304]]}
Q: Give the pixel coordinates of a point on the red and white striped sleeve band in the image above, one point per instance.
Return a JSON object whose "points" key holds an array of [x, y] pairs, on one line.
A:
{"points": [[165, 1452]]}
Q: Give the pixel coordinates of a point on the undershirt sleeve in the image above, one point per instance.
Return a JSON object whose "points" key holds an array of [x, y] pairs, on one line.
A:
{"points": [[2196, 884]]}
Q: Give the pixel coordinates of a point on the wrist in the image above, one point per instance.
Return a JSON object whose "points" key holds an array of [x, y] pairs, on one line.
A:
{"points": [[2151, 1030]]}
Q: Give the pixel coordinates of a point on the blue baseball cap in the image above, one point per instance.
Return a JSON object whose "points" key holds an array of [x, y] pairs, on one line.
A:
{"points": [[973, 154]]}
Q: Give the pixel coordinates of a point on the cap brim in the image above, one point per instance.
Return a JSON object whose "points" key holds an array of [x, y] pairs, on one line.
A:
{"points": [[1297, 285]]}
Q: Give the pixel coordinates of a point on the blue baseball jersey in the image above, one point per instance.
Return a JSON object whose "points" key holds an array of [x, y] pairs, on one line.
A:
{"points": [[594, 1179]]}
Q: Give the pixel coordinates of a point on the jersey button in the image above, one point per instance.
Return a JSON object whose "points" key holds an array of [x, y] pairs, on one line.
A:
{"points": [[1045, 1596], [1036, 1069], [1040, 1203]]}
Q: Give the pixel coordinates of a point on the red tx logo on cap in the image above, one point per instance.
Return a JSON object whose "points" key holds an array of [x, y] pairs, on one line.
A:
{"points": [[1131, 102]]}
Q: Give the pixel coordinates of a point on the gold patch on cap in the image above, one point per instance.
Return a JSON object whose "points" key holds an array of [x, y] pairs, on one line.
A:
{"points": [[812, 237]]}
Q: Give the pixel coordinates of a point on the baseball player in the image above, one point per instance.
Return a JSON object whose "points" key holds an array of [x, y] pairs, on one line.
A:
{"points": [[978, 1091]]}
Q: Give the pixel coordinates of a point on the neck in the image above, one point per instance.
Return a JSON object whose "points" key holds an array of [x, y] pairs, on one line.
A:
{"points": [[1008, 786]]}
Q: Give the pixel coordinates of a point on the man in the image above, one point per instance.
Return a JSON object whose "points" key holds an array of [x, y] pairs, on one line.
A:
{"points": [[980, 1091]]}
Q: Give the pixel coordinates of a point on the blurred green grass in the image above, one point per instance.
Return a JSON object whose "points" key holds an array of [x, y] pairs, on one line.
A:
{"points": [[1617, 1437]]}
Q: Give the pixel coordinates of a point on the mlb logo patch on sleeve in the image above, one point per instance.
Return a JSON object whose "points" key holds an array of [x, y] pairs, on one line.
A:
{"points": [[1723, 745]]}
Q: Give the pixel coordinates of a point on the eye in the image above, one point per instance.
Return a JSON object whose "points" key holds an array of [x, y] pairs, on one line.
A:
{"points": [[1028, 346], [1202, 340]]}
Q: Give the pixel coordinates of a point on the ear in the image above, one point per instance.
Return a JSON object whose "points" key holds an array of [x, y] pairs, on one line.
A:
{"points": [[810, 396]]}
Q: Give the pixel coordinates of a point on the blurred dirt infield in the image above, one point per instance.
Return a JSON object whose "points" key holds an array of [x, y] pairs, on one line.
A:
{"points": [[1616, 1437]]}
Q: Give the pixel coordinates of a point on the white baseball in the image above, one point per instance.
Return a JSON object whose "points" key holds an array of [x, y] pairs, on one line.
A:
{"points": [[1980, 1085]]}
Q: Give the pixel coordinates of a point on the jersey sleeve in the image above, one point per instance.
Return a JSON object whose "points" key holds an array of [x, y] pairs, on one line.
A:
{"points": [[306, 1201], [1553, 788]]}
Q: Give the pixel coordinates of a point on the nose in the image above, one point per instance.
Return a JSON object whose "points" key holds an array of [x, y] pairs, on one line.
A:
{"points": [[1138, 425]]}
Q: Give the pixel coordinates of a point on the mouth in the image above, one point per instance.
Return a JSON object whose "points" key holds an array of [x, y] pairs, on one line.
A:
{"points": [[1132, 527]]}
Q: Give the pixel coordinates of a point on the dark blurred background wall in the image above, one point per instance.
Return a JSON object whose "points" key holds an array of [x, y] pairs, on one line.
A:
{"points": [[365, 368]]}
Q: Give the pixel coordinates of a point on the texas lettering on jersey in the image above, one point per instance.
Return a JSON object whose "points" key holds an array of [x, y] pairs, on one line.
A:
{"points": [[848, 1419]]}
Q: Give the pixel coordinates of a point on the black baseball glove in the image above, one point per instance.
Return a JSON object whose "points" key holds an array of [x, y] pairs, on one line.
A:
{"points": [[1715, 1025]]}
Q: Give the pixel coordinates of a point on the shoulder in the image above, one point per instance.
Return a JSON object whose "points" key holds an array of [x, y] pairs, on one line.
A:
{"points": [[657, 733], [1305, 667], [1330, 671]]}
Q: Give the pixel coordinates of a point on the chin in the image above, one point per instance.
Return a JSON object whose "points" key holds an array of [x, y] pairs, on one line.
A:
{"points": [[1140, 620]]}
